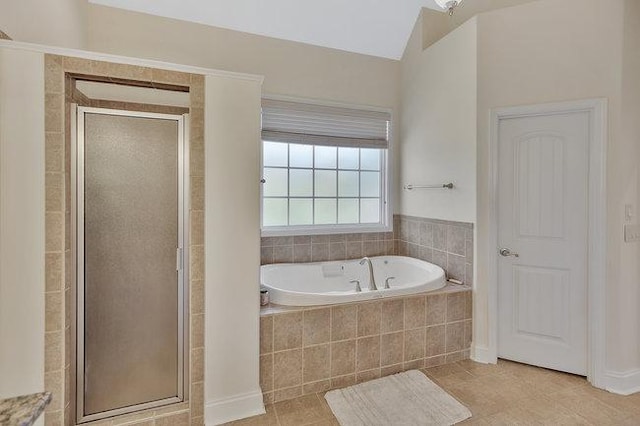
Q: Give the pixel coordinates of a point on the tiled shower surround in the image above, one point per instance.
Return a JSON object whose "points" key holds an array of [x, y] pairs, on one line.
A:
{"points": [[445, 243], [314, 349]]}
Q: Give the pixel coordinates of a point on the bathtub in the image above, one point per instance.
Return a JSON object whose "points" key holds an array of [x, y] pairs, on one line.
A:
{"points": [[328, 283]]}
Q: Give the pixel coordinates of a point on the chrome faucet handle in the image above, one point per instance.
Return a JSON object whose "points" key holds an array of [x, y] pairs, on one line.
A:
{"points": [[386, 282], [357, 283]]}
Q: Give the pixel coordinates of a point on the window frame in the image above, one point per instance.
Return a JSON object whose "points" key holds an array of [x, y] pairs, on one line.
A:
{"points": [[386, 185]]}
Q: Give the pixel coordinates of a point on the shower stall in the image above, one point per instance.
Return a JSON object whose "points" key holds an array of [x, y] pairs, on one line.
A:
{"points": [[131, 229]]}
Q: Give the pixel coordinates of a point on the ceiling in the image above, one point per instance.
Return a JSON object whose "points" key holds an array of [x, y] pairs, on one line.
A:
{"points": [[372, 27]]}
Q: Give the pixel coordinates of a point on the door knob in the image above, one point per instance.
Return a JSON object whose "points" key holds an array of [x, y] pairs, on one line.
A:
{"points": [[506, 253]]}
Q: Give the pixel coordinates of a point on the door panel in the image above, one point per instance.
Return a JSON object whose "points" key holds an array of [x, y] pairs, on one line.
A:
{"points": [[131, 291], [542, 217]]}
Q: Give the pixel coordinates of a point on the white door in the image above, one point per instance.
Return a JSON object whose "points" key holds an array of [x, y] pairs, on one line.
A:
{"points": [[542, 231]]}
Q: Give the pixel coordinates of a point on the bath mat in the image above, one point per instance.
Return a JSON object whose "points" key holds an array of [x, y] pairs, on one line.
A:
{"points": [[404, 399]]}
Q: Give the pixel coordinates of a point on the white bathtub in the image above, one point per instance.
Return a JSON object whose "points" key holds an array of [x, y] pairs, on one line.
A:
{"points": [[327, 283]]}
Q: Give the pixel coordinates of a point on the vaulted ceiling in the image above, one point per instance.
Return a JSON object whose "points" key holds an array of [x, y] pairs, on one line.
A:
{"points": [[372, 27]]}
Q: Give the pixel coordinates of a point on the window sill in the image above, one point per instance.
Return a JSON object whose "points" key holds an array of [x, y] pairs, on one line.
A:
{"points": [[323, 230]]}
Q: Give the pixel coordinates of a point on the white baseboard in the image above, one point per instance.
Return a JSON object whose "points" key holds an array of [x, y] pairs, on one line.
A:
{"points": [[233, 408], [482, 354], [623, 383]]}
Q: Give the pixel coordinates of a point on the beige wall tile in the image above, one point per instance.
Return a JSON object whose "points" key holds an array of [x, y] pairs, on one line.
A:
{"points": [[53, 74], [283, 254], [468, 334], [315, 387], [196, 263], [54, 115], [287, 331], [54, 152], [416, 364], [197, 296], [197, 421], [454, 337], [288, 393], [197, 193], [354, 249], [54, 232], [391, 348], [369, 318], [367, 353], [54, 383], [456, 306], [414, 344], [54, 418], [343, 358], [319, 252], [197, 331], [317, 326], [435, 341], [344, 322], [392, 316], [197, 365], [181, 419], [414, 312], [266, 334], [434, 361], [197, 399], [170, 77], [314, 364], [391, 369], [365, 376], [302, 253], [436, 309], [266, 372], [337, 251], [343, 381], [54, 270], [53, 349], [53, 306], [196, 224], [287, 368], [196, 90]]}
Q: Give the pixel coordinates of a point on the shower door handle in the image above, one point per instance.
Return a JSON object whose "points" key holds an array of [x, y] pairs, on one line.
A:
{"points": [[179, 264]]}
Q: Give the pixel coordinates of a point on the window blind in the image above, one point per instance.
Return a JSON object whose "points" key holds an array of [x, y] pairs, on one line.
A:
{"points": [[303, 123]]}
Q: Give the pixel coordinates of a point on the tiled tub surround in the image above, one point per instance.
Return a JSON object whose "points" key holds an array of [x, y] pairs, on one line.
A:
{"points": [[313, 349], [322, 248], [444, 243]]}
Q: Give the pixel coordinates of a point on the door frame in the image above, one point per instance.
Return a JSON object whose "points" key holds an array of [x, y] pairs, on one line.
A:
{"points": [[597, 204], [77, 116]]}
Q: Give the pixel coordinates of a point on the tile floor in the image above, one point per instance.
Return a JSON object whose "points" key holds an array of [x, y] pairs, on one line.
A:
{"points": [[504, 394]]}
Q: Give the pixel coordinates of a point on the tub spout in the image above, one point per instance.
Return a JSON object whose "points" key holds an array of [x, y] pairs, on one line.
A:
{"points": [[372, 279]]}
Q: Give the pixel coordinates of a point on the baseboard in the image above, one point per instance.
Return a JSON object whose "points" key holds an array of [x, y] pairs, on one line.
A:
{"points": [[234, 408], [623, 383], [482, 355]]}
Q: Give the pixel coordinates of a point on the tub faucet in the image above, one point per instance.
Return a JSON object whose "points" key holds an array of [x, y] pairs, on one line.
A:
{"points": [[372, 279]]}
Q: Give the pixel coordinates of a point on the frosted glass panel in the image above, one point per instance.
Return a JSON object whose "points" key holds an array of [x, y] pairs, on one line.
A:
{"points": [[276, 182], [274, 212], [369, 184], [370, 159], [325, 211], [348, 158], [326, 157], [348, 184], [300, 183], [348, 210], [130, 279], [274, 154], [301, 211], [370, 210], [300, 156], [325, 182]]}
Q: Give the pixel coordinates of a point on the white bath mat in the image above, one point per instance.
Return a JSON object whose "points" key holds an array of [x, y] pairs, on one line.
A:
{"points": [[404, 399]]}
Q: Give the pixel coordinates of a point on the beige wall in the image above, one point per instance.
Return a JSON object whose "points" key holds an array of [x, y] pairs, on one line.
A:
{"points": [[289, 68], [22, 239], [577, 56], [50, 22], [232, 248], [438, 125]]}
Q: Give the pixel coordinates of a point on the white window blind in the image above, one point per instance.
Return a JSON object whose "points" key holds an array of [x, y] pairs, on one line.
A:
{"points": [[303, 123]]}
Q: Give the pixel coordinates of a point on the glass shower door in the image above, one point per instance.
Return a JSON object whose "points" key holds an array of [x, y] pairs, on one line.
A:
{"points": [[130, 280]]}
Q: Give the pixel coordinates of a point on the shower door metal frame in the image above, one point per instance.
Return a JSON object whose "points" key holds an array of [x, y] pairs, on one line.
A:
{"points": [[182, 254]]}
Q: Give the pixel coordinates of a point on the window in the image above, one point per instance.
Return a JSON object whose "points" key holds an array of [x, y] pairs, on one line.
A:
{"points": [[323, 168]]}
